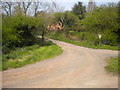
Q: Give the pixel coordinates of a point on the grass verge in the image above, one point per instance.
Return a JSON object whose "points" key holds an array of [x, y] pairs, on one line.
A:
{"points": [[86, 44], [28, 55], [83, 43], [113, 65]]}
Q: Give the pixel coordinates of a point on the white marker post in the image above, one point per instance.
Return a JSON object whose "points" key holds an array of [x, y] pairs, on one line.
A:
{"points": [[99, 36]]}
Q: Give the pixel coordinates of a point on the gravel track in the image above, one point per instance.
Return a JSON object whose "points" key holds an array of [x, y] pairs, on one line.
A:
{"points": [[76, 67]]}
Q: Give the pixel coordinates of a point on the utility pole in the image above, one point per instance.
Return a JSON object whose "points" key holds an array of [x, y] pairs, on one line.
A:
{"points": [[91, 5]]}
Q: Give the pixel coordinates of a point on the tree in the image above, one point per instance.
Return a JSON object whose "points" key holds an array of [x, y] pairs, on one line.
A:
{"points": [[25, 6], [58, 17], [7, 8], [79, 10], [17, 9], [20, 31], [53, 7], [68, 20], [36, 7], [103, 21], [46, 18]]}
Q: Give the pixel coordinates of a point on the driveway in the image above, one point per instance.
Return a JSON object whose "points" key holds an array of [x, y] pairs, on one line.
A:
{"points": [[76, 67]]}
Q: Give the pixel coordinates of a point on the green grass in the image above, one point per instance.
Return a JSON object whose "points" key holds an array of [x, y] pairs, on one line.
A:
{"points": [[83, 43], [86, 44], [28, 55], [113, 65]]}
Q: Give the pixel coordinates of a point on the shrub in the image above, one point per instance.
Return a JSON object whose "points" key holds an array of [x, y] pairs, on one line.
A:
{"points": [[20, 31], [103, 21]]}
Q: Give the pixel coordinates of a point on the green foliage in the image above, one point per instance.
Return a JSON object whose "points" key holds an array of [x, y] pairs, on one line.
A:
{"points": [[57, 35], [103, 21], [68, 20], [79, 10], [15, 54], [28, 55], [9, 34], [20, 31], [79, 42], [58, 17], [113, 65]]}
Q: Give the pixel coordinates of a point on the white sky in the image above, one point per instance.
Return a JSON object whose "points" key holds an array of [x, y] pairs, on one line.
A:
{"points": [[62, 0], [84, 0], [67, 4]]}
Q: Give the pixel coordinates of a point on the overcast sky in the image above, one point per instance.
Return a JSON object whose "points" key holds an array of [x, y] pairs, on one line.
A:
{"points": [[68, 4]]}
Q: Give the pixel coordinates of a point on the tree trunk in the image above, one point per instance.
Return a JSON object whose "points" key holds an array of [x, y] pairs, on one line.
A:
{"points": [[67, 32], [43, 32]]}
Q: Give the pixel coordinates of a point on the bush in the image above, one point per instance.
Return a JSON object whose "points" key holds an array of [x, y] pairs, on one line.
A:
{"points": [[20, 31], [9, 34], [103, 21]]}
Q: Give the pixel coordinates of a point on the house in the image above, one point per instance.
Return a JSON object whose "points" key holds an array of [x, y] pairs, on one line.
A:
{"points": [[52, 27]]}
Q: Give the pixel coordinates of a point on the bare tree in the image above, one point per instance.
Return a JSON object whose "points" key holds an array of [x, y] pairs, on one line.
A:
{"points": [[25, 6], [19, 5], [7, 8], [17, 9], [53, 7], [4, 8], [36, 6]]}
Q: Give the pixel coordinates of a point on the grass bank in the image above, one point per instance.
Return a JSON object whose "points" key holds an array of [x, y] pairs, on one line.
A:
{"points": [[28, 55], [113, 65], [84, 43]]}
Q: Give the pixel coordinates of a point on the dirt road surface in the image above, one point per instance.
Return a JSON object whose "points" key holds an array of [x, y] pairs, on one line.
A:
{"points": [[76, 67]]}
